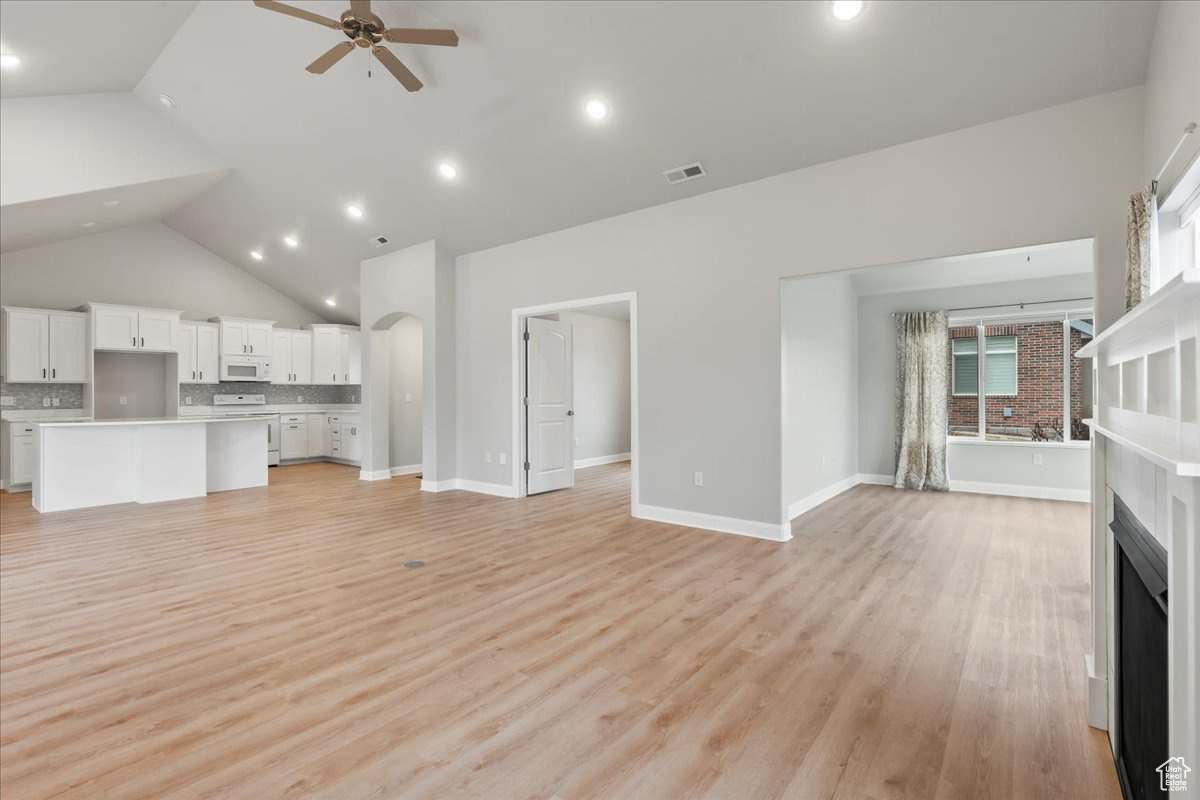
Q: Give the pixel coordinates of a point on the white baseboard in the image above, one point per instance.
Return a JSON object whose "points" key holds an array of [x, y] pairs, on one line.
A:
{"points": [[1097, 696], [411, 469], [1020, 490], [461, 484], [596, 461], [373, 475], [877, 480], [820, 496], [772, 531]]}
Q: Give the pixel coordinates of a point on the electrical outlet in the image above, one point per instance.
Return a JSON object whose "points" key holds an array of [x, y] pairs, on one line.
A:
{"points": [[503, 458], [45, 402], [1037, 459], [6, 400], [299, 398], [55, 402], [124, 401], [821, 462], [487, 457], [577, 441], [698, 479], [187, 401]]}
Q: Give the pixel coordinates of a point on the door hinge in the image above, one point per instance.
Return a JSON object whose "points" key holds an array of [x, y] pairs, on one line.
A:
{"points": [[526, 401], [527, 466], [527, 336]]}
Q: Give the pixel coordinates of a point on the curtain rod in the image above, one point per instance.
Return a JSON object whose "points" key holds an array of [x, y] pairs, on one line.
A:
{"points": [[1010, 305], [1187, 131]]}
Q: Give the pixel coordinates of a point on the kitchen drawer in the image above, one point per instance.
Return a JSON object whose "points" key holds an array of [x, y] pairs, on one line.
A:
{"points": [[22, 429], [293, 419]]}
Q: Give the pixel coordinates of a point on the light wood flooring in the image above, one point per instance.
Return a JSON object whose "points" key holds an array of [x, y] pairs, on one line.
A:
{"points": [[268, 643]]}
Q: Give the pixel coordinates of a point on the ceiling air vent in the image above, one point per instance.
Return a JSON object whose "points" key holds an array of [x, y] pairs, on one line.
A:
{"points": [[379, 241], [685, 173]]}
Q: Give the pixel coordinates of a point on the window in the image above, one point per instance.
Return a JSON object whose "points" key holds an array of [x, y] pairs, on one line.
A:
{"points": [[1032, 380], [1001, 366]]}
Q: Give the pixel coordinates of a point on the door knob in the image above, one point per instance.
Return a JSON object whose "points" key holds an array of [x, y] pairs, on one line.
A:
{"points": [[570, 413]]}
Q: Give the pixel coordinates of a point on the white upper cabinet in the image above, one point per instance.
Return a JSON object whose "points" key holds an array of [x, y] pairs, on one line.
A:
{"points": [[129, 328], [44, 346], [198, 352], [336, 354], [292, 358], [245, 337]]}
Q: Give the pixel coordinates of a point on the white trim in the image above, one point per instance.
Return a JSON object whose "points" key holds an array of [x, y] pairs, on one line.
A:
{"points": [[376, 475], [439, 486], [596, 461], [517, 487], [479, 487], [1020, 490], [410, 469], [877, 480], [1071, 444], [771, 531], [821, 495], [1097, 695]]}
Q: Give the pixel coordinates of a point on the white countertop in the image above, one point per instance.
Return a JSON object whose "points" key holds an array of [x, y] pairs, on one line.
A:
{"points": [[56, 423]]}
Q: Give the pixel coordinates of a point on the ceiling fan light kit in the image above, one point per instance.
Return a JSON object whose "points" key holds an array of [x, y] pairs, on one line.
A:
{"points": [[366, 30]]}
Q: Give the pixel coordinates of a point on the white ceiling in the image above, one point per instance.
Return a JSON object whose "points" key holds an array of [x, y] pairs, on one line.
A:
{"points": [[749, 89], [998, 266], [78, 46]]}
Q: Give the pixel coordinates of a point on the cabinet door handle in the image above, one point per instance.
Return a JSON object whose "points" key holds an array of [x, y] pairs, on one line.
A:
{"points": [[193, 374], [53, 372], [43, 372], [143, 341], [201, 374], [243, 348], [135, 341], [251, 348]]}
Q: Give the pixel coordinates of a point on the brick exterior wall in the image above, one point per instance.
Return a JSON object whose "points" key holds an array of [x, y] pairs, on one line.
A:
{"points": [[1039, 397]]}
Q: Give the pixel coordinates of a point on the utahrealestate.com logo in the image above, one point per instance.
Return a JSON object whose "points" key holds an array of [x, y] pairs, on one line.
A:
{"points": [[1172, 775]]}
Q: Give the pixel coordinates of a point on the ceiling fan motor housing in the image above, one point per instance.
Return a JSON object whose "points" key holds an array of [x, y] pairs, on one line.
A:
{"points": [[363, 31]]}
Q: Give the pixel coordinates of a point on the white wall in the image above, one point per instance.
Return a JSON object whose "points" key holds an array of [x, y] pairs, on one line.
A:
{"points": [[68, 144], [1172, 88], [877, 382], [144, 265], [404, 340], [706, 270], [601, 373], [819, 317]]}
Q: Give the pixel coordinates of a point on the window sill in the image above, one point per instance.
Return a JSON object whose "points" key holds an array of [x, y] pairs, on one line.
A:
{"points": [[990, 443]]}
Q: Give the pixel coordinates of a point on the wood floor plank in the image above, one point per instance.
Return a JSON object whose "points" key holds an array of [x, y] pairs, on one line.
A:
{"points": [[269, 643]]}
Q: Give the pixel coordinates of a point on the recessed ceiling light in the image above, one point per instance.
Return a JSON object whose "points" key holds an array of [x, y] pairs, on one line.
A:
{"points": [[87, 224], [448, 170], [256, 255], [111, 203], [166, 100], [354, 211], [329, 301], [8, 60], [596, 108], [845, 10], [291, 241]]}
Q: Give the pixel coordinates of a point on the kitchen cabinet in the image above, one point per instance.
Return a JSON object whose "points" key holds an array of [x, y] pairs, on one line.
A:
{"points": [[317, 446], [291, 356], [245, 337], [352, 441], [129, 328], [293, 437], [44, 346], [199, 348], [17, 468], [337, 354]]}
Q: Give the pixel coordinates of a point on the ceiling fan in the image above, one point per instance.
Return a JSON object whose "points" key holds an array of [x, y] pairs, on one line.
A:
{"points": [[366, 30]]}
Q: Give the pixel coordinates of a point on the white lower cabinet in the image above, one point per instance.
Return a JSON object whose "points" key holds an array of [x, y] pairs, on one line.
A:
{"points": [[352, 441], [316, 436], [17, 454], [293, 436]]}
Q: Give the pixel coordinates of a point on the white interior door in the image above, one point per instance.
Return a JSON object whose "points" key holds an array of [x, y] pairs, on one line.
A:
{"points": [[549, 446]]}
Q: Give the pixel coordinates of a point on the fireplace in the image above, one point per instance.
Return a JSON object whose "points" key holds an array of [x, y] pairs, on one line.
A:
{"points": [[1140, 605]]}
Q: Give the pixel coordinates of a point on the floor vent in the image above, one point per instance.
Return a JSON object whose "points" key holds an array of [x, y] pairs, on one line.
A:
{"points": [[414, 564], [685, 173], [379, 241]]}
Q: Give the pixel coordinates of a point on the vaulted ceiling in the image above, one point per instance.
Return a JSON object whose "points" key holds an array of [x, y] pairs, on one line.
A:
{"points": [[749, 89]]}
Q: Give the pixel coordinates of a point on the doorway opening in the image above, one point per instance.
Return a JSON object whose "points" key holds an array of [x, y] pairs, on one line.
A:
{"points": [[398, 360], [575, 395]]}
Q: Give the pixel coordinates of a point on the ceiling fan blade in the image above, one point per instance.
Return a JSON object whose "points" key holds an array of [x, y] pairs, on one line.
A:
{"points": [[331, 57], [360, 8], [292, 11], [445, 38], [398, 70]]}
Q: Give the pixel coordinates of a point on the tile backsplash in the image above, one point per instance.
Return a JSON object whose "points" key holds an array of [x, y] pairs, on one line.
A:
{"points": [[28, 396], [277, 393]]}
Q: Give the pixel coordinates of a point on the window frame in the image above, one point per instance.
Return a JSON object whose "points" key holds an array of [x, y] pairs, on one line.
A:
{"points": [[979, 358]]}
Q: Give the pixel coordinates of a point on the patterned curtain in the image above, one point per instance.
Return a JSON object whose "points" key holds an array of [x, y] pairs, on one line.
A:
{"points": [[921, 365], [1141, 246]]}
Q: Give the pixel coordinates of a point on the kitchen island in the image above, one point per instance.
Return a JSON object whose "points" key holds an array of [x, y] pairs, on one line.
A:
{"points": [[87, 463]]}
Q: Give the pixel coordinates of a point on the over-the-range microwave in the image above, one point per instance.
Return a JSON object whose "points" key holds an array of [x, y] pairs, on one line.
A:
{"points": [[245, 368]]}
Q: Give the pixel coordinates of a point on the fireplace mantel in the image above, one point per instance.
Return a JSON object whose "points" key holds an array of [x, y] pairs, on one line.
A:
{"points": [[1146, 448]]}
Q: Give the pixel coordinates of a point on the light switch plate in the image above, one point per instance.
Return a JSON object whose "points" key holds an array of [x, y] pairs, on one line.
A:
{"points": [[487, 457], [46, 402], [6, 400], [408, 397], [124, 400], [55, 402], [187, 401], [698, 479], [503, 458]]}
